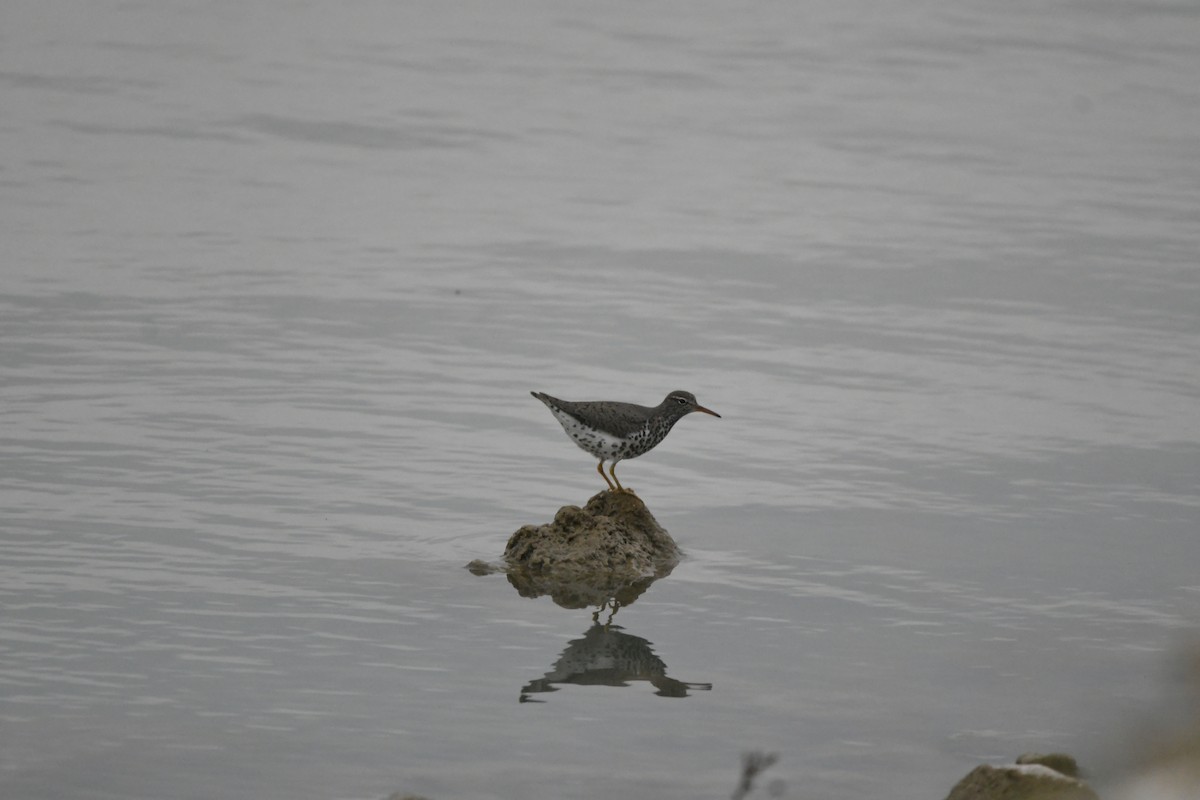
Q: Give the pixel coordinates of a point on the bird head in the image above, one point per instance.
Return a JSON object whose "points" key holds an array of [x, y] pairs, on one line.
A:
{"points": [[682, 402]]}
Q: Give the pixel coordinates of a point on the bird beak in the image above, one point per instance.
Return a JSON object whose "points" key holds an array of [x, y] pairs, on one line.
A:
{"points": [[706, 411]]}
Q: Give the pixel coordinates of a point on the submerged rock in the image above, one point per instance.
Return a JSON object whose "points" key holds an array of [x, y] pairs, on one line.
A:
{"points": [[1033, 777]]}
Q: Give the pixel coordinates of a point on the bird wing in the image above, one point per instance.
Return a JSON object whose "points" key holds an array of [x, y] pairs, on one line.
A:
{"points": [[618, 419]]}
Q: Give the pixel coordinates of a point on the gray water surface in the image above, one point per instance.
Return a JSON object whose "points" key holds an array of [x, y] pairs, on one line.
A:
{"points": [[277, 279]]}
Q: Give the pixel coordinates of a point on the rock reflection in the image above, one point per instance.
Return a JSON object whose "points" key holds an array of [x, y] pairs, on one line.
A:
{"points": [[584, 592], [607, 656]]}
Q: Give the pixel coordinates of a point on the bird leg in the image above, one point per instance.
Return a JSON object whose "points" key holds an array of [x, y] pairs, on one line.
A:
{"points": [[615, 607], [613, 470], [600, 469]]}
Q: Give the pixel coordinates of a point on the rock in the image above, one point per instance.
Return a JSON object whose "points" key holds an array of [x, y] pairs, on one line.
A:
{"points": [[1171, 775], [1059, 762], [481, 567], [1031, 778], [1168, 765], [609, 551], [613, 534]]}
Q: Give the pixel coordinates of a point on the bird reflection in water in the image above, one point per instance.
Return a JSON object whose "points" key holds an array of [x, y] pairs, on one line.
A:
{"points": [[607, 656], [602, 556], [613, 607]]}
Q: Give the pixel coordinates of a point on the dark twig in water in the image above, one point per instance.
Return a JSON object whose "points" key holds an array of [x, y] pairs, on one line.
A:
{"points": [[753, 763]]}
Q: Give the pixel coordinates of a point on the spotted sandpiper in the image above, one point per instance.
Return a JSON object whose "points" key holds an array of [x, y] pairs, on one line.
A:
{"points": [[613, 431]]}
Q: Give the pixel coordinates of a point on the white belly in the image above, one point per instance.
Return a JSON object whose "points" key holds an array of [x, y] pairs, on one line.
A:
{"points": [[602, 445]]}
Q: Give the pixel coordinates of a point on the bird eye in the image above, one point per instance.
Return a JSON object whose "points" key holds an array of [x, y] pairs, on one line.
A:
{"points": [[681, 400]]}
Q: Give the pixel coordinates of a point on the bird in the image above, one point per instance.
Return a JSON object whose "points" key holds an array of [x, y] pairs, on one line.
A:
{"points": [[613, 431]]}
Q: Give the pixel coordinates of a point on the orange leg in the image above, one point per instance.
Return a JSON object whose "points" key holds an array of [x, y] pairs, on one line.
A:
{"points": [[600, 469], [613, 471]]}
